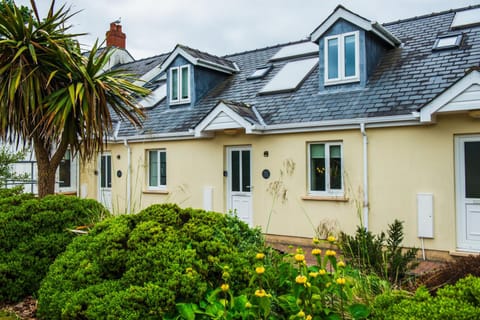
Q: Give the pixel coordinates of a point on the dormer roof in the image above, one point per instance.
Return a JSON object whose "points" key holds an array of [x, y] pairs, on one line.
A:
{"points": [[199, 58], [371, 26]]}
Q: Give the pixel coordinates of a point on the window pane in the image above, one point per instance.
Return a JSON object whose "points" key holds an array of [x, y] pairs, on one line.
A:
{"points": [[317, 167], [472, 169], [185, 79], [335, 168], [109, 171], [153, 168], [103, 169], [163, 168], [246, 171], [174, 83], [332, 58], [64, 171], [235, 170], [350, 56]]}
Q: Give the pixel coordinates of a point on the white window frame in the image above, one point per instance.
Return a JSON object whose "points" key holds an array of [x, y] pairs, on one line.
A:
{"points": [[159, 186], [341, 59], [328, 191], [179, 79]]}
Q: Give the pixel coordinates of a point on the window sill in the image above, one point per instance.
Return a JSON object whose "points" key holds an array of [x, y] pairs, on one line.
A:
{"points": [[325, 198], [155, 192], [179, 102], [67, 193], [342, 81]]}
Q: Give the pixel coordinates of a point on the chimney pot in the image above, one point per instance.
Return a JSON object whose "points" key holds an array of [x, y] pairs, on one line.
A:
{"points": [[115, 36]]}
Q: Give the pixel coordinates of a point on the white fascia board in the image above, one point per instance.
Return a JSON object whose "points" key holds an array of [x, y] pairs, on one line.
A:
{"points": [[344, 124], [428, 111], [340, 13], [174, 54], [195, 62], [363, 23], [156, 137], [221, 107]]}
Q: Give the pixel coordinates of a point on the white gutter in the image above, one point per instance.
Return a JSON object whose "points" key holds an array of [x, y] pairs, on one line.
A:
{"points": [[129, 176], [366, 203]]}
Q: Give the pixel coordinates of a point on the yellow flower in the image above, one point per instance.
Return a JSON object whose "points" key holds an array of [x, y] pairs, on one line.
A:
{"points": [[301, 314], [330, 253], [315, 240], [309, 317], [225, 287], [260, 270], [248, 305], [341, 281], [299, 257], [260, 293], [322, 272], [260, 256], [331, 239], [313, 274], [300, 279], [316, 252], [341, 264], [189, 270]]}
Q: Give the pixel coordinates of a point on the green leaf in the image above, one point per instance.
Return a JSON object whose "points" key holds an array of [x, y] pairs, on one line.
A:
{"points": [[186, 310], [359, 311]]}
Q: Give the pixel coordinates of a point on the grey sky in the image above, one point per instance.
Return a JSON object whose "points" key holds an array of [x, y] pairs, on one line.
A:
{"points": [[222, 26]]}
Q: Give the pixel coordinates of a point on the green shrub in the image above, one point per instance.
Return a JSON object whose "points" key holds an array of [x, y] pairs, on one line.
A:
{"points": [[451, 272], [459, 301], [140, 266], [34, 231], [378, 253]]}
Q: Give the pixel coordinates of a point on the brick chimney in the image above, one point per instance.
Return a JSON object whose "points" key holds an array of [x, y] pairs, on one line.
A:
{"points": [[115, 36]]}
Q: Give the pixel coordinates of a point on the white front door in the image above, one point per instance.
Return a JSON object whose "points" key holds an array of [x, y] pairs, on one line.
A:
{"points": [[239, 185], [105, 180], [467, 149]]}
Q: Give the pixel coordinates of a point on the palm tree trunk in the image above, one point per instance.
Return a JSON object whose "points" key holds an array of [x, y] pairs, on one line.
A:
{"points": [[47, 165]]}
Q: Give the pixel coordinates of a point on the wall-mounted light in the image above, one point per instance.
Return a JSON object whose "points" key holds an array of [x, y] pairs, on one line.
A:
{"points": [[265, 153]]}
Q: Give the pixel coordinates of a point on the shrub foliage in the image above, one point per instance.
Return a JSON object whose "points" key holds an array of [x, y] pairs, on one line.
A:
{"points": [[33, 232], [459, 301], [140, 266]]}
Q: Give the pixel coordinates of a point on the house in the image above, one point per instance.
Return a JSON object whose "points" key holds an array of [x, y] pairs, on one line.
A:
{"points": [[360, 124]]}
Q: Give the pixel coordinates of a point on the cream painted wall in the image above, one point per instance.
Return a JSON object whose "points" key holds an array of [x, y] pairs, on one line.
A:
{"points": [[403, 161]]}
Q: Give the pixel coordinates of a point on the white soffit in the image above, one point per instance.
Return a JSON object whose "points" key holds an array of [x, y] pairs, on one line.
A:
{"points": [[296, 50], [290, 76], [466, 18], [155, 97]]}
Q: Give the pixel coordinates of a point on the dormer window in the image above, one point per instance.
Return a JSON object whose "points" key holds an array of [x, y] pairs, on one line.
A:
{"points": [[342, 58], [180, 84]]}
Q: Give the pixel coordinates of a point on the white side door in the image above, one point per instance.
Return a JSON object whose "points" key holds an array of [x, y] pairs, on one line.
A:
{"points": [[105, 180], [467, 166], [239, 180]]}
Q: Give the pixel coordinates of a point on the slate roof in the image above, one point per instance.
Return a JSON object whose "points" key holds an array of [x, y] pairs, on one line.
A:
{"points": [[208, 57], [406, 78]]}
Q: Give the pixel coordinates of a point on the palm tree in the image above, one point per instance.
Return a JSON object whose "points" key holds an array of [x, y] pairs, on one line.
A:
{"points": [[52, 96]]}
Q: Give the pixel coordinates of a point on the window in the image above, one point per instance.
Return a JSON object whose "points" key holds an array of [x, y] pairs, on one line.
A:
{"points": [[67, 172], [448, 42], [157, 169], [325, 169], [342, 58], [260, 72], [180, 84]]}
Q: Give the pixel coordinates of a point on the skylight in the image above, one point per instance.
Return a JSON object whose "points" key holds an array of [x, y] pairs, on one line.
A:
{"points": [[448, 42], [260, 72], [290, 77], [466, 18], [296, 50], [155, 97]]}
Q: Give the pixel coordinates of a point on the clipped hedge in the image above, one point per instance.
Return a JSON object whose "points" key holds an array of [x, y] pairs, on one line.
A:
{"points": [[33, 232], [139, 266], [458, 301]]}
